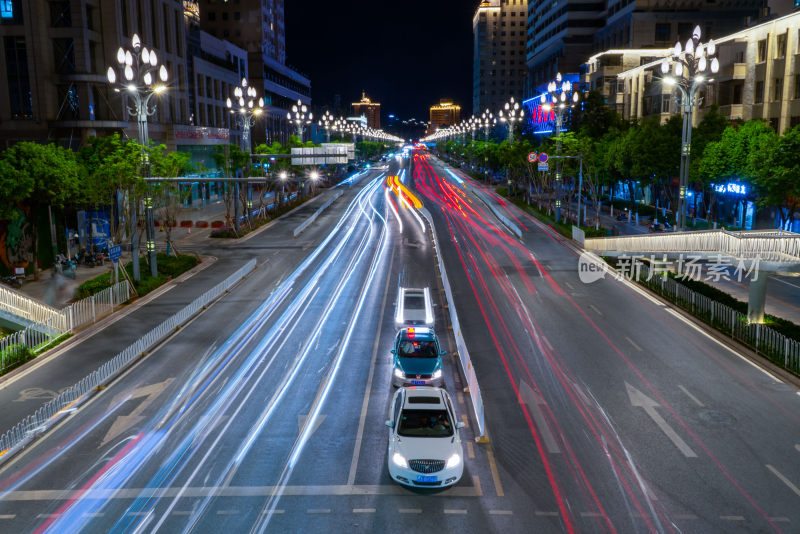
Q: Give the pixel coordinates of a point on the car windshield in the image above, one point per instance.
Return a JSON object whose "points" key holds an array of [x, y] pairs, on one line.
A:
{"points": [[417, 349], [425, 424], [415, 302]]}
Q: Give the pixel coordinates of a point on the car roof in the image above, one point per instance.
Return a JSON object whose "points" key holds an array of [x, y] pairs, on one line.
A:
{"points": [[418, 332], [424, 398]]}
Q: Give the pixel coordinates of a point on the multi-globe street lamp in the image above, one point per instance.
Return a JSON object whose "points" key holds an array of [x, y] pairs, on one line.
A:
{"points": [[327, 122], [511, 113], [245, 111], [689, 72], [139, 67], [560, 97], [300, 116]]}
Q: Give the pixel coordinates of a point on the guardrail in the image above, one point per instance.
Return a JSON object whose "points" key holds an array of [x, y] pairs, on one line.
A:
{"points": [[505, 220], [779, 349], [40, 334], [23, 306], [463, 353], [33, 425], [307, 222], [778, 246]]}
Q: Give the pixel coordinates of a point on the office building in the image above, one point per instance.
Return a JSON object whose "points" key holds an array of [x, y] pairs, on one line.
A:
{"points": [[371, 110], [444, 114], [258, 27], [498, 53]]}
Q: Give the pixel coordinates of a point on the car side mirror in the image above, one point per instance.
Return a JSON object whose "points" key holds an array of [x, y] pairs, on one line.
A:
{"points": [[390, 423], [460, 424]]}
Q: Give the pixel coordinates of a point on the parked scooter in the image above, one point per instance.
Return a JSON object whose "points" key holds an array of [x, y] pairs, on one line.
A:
{"points": [[13, 281]]}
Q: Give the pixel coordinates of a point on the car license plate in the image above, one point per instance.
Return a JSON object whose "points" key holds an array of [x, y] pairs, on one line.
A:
{"points": [[426, 478], [417, 382]]}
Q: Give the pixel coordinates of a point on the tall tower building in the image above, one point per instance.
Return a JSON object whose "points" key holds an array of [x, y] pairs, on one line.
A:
{"points": [[498, 54], [371, 110], [444, 114], [258, 27]]}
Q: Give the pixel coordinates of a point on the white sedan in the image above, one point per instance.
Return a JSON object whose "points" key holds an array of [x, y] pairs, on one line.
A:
{"points": [[424, 445]]}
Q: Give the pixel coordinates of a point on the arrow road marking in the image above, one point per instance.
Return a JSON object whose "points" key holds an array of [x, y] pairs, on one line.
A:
{"points": [[124, 422], [649, 405], [533, 400]]}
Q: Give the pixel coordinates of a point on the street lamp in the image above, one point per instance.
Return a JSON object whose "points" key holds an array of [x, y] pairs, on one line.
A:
{"points": [[283, 177], [511, 113], [689, 67], [487, 122], [327, 122], [139, 67], [560, 97], [245, 111], [300, 116]]}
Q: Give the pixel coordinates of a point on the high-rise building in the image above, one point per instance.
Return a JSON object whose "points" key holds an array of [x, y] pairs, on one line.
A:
{"points": [[54, 59], [258, 26], [371, 110], [498, 53], [560, 37], [444, 114]]}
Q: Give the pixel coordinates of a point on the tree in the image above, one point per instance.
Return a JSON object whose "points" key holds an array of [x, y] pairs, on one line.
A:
{"points": [[593, 118], [231, 159], [168, 196], [775, 166], [50, 174]]}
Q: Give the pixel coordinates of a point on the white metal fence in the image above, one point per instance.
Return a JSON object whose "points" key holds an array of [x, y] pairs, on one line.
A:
{"points": [[19, 346], [48, 414], [23, 306], [778, 348], [768, 245]]}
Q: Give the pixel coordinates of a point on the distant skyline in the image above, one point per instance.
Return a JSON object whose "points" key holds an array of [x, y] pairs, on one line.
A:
{"points": [[405, 58]]}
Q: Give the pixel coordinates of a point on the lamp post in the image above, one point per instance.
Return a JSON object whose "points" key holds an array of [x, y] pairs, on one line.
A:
{"points": [[487, 121], [511, 113], [560, 97], [300, 116], [138, 67], [283, 177], [327, 122], [245, 112], [689, 67]]}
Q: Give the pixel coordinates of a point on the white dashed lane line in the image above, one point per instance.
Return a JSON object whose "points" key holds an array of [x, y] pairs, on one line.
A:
{"points": [[410, 510], [8, 516], [318, 511], [500, 512], [363, 510], [447, 511], [546, 514], [227, 512], [732, 517]]}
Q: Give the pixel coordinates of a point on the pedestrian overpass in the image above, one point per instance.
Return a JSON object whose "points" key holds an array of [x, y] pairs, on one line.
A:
{"points": [[757, 251]]}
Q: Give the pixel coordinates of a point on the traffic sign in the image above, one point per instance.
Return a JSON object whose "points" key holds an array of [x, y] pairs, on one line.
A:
{"points": [[532, 157], [543, 158], [543, 166], [115, 252]]}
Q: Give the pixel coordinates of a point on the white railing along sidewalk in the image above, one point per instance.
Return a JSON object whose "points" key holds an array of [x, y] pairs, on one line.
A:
{"points": [[23, 306], [50, 413]]}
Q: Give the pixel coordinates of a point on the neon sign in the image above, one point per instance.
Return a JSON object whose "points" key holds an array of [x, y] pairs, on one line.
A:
{"points": [[731, 187]]}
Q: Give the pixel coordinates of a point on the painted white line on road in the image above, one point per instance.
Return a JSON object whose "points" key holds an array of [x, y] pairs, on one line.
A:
{"points": [[470, 449], [732, 517], [632, 342], [137, 514], [476, 481], [785, 282], [318, 511], [784, 480], [569, 285], [47, 516], [363, 510], [448, 511], [93, 514], [798, 445], [780, 519], [695, 399], [534, 401], [227, 512], [8, 516], [181, 512], [501, 512], [410, 510], [641, 400], [265, 512], [592, 306], [547, 342], [685, 516], [546, 514]]}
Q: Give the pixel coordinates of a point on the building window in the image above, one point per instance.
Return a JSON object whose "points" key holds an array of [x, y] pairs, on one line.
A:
{"points": [[212, 15], [762, 50], [797, 85], [759, 96], [780, 48], [68, 102], [10, 12], [64, 55], [60, 15], [794, 121], [737, 94], [19, 87], [778, 89], [665, 105]]}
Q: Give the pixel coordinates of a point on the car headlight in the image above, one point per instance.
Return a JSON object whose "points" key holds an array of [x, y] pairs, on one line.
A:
{"points": [[398, 373], [437, 374], [453, 461], [399, 460]]}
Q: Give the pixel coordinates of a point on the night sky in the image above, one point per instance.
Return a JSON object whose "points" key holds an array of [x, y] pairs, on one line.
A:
{"points": [[405, 55]]}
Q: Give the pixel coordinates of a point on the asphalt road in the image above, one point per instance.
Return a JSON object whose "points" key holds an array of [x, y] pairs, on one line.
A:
{"points": [[605, 411]]}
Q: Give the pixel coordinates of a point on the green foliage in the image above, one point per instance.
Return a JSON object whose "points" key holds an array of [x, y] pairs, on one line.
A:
{"points": [[168, 268], [775, 164], [14, 356]]}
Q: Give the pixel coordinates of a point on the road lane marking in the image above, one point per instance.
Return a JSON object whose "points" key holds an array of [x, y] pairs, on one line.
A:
{"points": [[732, 517], [410, 510], [500, 512], [546, 514], [318, 511], [547, 342], [695, 399], [465, 419], [534, 402], [227, 512], [592, 306], [637, 398], [363, 510], [785, 282], [498, 486], [632, 342], [798, 445], [779, 519], [591, 514], [266, 512], [569, 285], [181, 512], [685, 516], [476, 481], [8, 516], [784, 480], [449, 511], [46, 516], [470, 449], [351, 477]]}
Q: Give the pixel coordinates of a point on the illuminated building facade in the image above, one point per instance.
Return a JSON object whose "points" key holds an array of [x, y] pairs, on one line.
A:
{"points": [[371, 110]]}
